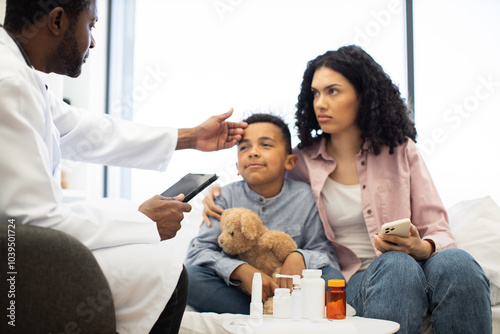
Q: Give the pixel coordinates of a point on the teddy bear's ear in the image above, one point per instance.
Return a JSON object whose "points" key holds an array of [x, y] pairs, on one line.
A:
{"points": [[251, 225], [229, 217]]}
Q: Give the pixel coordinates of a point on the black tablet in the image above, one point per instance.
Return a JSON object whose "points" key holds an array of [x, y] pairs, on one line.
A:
{"points": [[190, 185]]}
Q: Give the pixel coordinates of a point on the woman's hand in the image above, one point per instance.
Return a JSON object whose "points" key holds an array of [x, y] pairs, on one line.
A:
{"points": [[209, 207], [420, 250], [293, 265]]}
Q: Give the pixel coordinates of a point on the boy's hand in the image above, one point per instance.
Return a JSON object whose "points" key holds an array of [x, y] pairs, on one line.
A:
{"points": [[293, 265], [209, 207], [244, 273]]}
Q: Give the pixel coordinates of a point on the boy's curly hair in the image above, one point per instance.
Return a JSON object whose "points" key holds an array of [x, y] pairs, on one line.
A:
{"points": [[383, 116]]}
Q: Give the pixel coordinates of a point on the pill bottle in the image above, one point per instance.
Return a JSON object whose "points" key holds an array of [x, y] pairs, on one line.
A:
{"points": [[313, 294], [296, 296], [282, 304], [336, 299]]}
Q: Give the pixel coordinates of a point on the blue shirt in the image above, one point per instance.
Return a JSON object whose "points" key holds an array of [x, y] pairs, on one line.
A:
{"points": [[292, 211]]}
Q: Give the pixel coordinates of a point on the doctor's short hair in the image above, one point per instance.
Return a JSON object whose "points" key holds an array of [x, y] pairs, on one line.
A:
{"points": [[21, 15], [276, 120]]}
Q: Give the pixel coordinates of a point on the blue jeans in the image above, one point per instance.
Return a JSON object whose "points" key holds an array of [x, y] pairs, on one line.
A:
{"points": [[209, 293], [450, 286]]}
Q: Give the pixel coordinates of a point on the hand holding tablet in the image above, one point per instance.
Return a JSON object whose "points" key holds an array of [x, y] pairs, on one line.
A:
{"points": [[190, 185]]}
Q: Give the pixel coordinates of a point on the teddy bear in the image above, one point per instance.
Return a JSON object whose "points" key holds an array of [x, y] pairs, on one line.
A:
{"points": [[243, 235]]}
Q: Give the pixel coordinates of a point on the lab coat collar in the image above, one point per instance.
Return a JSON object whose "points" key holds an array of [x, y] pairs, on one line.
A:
{"points": [[18, 45]]}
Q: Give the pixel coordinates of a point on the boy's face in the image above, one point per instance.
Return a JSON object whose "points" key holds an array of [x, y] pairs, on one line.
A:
{"points": [[263, 158]]}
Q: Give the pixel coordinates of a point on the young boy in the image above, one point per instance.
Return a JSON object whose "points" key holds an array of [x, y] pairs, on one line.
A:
{"points": [[264, 154]]}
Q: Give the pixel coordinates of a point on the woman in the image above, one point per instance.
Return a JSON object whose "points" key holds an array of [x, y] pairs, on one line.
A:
{"points": [[358, 152]]}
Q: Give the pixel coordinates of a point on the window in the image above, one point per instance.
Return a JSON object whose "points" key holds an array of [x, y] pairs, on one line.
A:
{"points": [[457, 94]]}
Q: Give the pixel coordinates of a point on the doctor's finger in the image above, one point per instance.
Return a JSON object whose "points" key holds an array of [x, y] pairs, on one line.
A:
{"points": [[179, 198], [185, 207]]}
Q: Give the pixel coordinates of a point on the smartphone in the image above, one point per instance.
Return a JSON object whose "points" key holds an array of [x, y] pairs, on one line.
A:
{"points": [[190, 185], [400, 228]]}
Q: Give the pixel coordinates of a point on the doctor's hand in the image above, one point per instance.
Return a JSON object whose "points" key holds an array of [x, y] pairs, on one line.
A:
{"points": [[419, 249], [210, 209], [167, 213], [212, 135]]}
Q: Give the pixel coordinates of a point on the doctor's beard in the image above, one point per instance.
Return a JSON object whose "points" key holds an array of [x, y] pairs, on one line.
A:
{"points": [[69, 57]]}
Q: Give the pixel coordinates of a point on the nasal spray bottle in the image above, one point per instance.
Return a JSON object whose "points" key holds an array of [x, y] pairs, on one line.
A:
{"points": [[296, 296], [256, 306]]}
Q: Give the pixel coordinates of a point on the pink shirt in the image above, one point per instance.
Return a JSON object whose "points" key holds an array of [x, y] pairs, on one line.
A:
{"points": [[392, 187]]}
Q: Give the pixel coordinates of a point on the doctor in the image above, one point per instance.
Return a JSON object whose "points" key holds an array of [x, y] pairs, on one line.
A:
{"points": [[37, 130]]}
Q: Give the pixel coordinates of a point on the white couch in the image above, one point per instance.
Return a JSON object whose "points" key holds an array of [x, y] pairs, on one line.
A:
{"points": [[475, 223]]}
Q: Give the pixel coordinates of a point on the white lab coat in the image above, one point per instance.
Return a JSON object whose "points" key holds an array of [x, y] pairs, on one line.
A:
{"points": [[36, 131]]}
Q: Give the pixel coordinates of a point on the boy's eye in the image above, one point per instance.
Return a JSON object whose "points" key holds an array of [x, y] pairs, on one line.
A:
{"points": [[242, 147]]}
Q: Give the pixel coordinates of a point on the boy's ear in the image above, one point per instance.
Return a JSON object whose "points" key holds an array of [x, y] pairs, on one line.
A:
{"points": [[291, 161]]}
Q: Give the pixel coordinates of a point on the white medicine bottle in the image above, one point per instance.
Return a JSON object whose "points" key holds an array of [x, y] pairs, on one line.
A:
{"points": [[313, 294], [282, 304]]}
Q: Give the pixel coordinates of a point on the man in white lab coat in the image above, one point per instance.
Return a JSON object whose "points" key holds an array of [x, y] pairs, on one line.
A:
{"points": [[37, 130]]}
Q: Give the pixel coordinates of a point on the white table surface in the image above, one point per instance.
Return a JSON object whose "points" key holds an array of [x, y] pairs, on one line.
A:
{"points": [[269, 325]]}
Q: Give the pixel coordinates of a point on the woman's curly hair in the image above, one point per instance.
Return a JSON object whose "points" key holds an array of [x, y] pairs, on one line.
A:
{"points": [[383, 116]]}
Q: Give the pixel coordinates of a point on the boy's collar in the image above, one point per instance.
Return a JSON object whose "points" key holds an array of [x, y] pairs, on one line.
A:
{"points": [[260, 198]]}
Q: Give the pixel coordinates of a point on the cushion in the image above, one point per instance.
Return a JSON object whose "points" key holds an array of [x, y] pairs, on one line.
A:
{"points": [[476, 226], [59, 286]]}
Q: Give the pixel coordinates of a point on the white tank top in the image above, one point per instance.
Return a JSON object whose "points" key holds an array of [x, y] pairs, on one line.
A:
{"points": [[345, 216]]}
